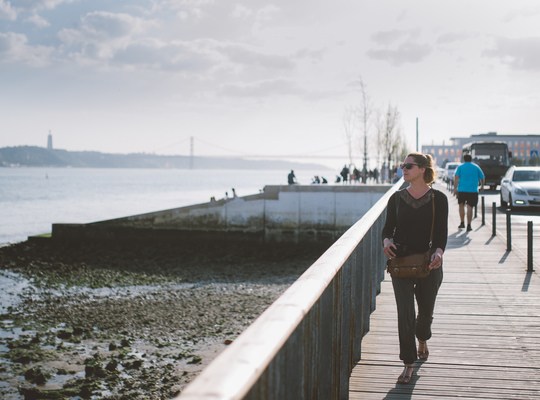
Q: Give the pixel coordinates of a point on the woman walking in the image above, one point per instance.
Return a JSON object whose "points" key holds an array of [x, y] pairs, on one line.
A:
{"points": [[407, 231]]}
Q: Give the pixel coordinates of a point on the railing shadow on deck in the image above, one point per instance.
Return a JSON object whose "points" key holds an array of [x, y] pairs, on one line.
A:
{"points": [[306, 343]]}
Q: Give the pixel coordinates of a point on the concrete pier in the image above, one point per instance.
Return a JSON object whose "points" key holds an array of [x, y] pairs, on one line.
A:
{"points": [[279, 213]]}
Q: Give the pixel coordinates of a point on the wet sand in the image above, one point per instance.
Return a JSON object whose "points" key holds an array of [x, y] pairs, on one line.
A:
{"points": [[131, 322]]}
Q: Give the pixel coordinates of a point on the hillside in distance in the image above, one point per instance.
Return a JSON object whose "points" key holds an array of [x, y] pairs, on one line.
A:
{"points": [[34, 156]]}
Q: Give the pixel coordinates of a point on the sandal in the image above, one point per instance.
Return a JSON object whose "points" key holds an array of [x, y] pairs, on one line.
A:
{"points": [[406, 375], [423, 352]]}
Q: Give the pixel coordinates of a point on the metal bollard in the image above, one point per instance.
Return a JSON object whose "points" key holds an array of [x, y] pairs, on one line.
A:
{"points": [[483, 210], [530, 246], [508, 230], [494, 219]]}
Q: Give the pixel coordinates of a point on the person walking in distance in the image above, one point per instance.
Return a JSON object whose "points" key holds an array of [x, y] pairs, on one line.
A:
{"points": [[344, 173], [467, 178], [407, 230], [291, 178]]}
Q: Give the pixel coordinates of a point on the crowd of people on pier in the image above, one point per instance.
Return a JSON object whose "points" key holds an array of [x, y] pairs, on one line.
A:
{"points": [[350, 174]]}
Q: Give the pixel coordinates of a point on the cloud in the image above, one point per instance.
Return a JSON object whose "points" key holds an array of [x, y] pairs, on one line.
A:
{"points": [[264, 88], [7, 11], [201, 56], [38, 21], [453, 37], [11, 10], [28, 10], [170, 35], [404, 53], [175, 56], [389, 37], [240, 11], [184, 9], [247, 57], [101, 35], [310, 54], [264, 16], [127, 41], [275, 87], [123, 40], [519, 53], [399, 47], [101, 25], [14, 48], [525, 12], [35, 5]]}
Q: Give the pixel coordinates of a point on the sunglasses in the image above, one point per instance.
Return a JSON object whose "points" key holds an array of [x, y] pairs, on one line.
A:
{"points": [[407, 165]]}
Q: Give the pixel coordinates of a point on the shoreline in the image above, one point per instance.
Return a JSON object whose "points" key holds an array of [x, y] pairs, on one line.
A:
{"points": [[121, 320]]}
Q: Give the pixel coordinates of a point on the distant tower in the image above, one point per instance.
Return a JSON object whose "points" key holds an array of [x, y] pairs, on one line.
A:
{"points": [[49, 141]]}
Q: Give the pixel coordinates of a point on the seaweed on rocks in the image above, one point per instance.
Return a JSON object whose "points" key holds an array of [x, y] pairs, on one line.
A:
{"points": [[132, 322]]}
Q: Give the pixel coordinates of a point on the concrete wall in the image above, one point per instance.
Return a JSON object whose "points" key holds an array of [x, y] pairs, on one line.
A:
{"points": [[292, 212]]}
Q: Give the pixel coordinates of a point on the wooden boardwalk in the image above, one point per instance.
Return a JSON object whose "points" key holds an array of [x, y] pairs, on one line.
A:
{"points": [[486, 328]]}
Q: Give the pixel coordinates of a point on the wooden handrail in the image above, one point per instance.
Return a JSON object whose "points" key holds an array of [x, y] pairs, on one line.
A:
{"points": [[306, 343]]}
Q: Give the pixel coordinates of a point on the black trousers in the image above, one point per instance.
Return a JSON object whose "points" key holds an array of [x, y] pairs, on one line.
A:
{"points": [[411, 326]]}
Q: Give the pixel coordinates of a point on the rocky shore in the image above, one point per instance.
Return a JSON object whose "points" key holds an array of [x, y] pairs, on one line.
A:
{"points": [[130, 322]]}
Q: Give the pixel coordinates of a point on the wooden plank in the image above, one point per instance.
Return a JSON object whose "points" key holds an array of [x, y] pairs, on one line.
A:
{"points": [[486, 329]]}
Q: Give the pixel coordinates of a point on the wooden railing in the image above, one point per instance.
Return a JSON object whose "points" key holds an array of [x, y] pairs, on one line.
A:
{"points": [[306, 343]]}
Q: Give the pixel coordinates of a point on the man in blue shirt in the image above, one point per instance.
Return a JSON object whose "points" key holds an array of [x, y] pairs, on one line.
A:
{"points": [[466, 180]]}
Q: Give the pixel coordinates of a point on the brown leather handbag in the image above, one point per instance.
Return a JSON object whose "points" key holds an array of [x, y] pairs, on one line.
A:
{"points": [[413, 265]]}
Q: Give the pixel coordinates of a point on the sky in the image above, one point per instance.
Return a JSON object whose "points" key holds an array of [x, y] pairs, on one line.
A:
{"points": [[263, 77]]}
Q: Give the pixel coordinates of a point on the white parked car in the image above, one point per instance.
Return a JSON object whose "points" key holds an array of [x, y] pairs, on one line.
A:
{"points": [[450, 170], [440, 173], [520, 187]]}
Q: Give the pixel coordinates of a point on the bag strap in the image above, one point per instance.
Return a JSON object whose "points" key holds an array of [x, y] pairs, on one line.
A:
{"points": [[433, 218]]}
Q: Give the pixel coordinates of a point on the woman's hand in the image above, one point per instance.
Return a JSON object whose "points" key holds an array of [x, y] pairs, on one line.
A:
{"points": [[388, 248], [436, 260]]}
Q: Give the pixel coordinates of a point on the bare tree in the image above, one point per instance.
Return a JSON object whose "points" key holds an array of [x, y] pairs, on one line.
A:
{"points": [[379, 127], [390, 135], [403, 149], [399, 148], [365, 115], [350, 121]]}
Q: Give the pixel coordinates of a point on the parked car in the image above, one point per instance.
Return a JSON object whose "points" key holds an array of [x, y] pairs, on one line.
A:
{"points": [[520, 187], [440, 173], [449, 171]]}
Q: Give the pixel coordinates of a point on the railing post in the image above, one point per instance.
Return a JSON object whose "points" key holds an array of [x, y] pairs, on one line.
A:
{"points": [[530, 246], [508, 230], [494, 219], [483, 210]]}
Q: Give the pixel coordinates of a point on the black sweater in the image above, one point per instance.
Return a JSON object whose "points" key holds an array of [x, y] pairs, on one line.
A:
{"points": [[412, 225]]}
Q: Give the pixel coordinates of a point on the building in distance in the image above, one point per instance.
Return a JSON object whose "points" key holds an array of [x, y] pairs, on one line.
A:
{"points": [[524, 148]]}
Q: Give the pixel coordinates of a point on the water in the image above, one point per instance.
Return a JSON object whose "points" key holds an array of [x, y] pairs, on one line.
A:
{"points": [[32, 199], [11, 285]]}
